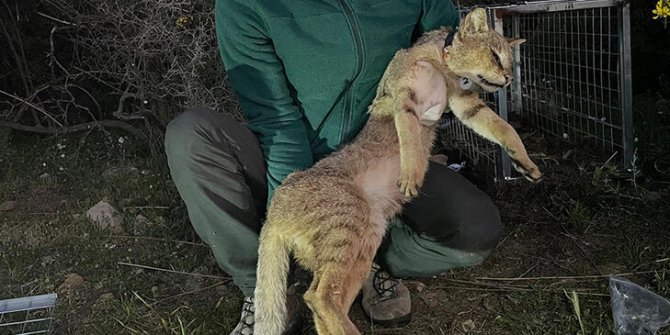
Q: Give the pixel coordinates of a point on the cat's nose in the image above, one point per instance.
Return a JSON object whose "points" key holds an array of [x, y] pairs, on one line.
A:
{"points": [[508, 79]]}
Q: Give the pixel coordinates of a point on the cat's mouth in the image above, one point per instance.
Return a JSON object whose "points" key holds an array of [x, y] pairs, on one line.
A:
{"points": [[483, 80]]}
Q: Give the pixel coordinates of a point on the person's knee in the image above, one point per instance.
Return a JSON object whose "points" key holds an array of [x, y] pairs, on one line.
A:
{"points": [[412, 255], [479, 225], [490, 224], [185, 130]]}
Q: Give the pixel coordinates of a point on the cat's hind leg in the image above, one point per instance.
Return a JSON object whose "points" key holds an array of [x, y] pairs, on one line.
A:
{"points": [[325, 300], [310, 298], [352, 284]]}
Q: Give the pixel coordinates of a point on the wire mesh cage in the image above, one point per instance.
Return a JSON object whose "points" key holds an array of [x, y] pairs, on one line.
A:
{"points": [[27, 315], [572, 77]]}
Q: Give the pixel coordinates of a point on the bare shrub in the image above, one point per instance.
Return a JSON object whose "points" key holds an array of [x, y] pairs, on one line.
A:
{"points": [[144, 60]]}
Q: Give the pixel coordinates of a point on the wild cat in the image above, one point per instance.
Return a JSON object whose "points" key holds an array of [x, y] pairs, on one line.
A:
{"points": [[332, 217]]}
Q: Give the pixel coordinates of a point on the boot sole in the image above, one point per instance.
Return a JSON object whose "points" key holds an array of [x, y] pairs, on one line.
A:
{"points": [[392, 323]]}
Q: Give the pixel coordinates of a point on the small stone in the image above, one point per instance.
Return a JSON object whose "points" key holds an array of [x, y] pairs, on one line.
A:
{"points": [[8, 206], [141, 225], [72, 282], [468, 326], [106, 217], [44, 175], [419, 287]]}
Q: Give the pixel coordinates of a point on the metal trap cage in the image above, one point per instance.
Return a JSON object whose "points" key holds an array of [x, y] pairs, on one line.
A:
{"points": [[27, 315], [572, 78]]}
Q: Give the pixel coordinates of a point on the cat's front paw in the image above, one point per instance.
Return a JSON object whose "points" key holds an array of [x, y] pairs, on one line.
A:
{"points": [[529, 170], [409, 183]]}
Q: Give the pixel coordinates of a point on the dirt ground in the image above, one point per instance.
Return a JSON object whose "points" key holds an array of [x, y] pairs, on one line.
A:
{"points": [[549, 274]]}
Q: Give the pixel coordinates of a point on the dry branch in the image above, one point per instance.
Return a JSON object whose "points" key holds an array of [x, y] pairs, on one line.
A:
{"points": [[111, 60], [80, 127]]}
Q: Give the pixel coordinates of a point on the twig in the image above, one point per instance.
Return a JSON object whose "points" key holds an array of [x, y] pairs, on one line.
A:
{"points": [[55, 19], [564, 277], [608, 160], [521, 289], [191, 292], [84, 126], [157, 239], [33, 106], [119, 110], [44, 213], [170, 271], [147, 207], [577, 243], [529, 270], [20, 61]]}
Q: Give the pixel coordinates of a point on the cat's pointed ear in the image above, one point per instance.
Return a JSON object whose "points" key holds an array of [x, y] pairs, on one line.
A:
{"points": [[513, 42], [475, 22]]}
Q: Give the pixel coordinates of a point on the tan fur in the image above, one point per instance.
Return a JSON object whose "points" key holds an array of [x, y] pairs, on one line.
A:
{"points": [[332, 217]]}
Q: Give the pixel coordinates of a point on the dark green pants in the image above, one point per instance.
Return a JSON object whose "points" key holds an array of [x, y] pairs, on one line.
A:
{"points": [[219, 171]]}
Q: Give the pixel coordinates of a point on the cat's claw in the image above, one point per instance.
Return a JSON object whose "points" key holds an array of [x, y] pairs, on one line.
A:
{"points": [[531, 172], [408, 185]]}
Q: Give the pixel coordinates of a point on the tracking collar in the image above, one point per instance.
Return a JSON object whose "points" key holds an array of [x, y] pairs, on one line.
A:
{"points": [[449, 39]]}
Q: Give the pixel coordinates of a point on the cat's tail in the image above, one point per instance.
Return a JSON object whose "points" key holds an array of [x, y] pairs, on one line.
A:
{"points": [[270, 294]]}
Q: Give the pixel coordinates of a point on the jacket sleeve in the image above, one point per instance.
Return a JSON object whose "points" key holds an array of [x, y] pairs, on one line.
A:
{"points": [[256, 74], [438, 13]]}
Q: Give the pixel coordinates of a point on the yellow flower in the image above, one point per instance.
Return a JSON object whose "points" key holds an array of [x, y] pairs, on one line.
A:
{"points": [[662, 9], [185, 19]]}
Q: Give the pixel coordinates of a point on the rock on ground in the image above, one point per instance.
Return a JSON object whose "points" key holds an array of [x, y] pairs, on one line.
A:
{"points": [[71, 284], [106, 217], [8, 206]]}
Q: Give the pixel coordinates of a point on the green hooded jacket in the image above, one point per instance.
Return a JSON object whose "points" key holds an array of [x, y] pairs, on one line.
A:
{"points": [[305, 71]]}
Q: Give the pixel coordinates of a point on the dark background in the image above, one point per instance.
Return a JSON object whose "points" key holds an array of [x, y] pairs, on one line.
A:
{"points": [[134, 65]]}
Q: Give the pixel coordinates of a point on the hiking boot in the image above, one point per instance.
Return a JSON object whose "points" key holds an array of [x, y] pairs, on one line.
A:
{"points": [[293, 312], [246, 324], [386, 300]]}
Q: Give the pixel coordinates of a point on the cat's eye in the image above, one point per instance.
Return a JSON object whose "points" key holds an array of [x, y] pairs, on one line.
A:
{"points": [[497, 58]]}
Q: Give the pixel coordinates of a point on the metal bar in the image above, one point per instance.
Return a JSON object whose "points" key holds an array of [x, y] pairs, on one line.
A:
{"points": [[28, 303], [597, 109], [579, 71], [609, 67], [542, 21], [35, 332], [23, 329], [626, 94], [505, 167], [553, 6], [601, 83], [517, 104], [24, 322]]}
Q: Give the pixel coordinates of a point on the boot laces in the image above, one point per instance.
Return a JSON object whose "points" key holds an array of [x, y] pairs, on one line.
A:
{"points": [[246, 324], [384, 284]]}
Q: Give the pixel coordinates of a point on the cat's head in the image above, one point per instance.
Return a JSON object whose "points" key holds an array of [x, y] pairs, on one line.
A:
{"points": [[481, 54]]}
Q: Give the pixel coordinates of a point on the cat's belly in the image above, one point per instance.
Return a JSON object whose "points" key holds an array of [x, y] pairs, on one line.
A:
{"points": [[378, 184]]}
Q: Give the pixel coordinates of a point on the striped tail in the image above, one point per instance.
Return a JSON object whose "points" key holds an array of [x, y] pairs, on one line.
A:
{"points": [[271, 284]]}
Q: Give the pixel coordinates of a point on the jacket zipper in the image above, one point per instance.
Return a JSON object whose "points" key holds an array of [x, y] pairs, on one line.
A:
{"points": [[358, 41]]}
